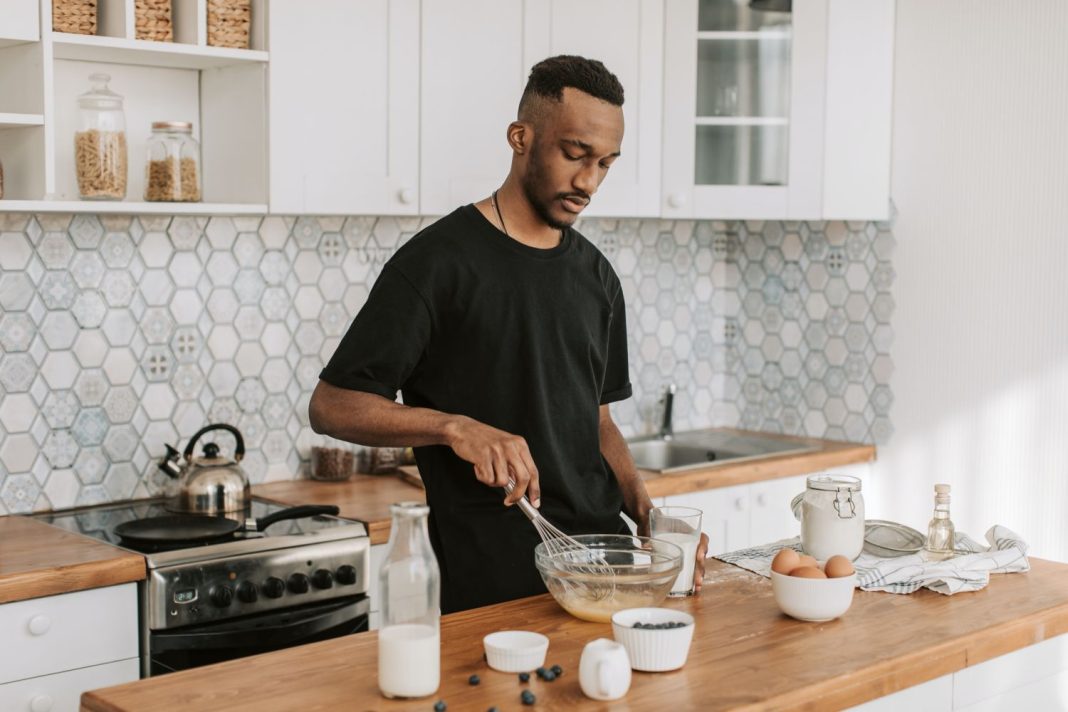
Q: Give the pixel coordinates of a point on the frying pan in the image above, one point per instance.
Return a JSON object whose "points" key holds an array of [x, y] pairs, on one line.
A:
{"points": [[191, 529]]}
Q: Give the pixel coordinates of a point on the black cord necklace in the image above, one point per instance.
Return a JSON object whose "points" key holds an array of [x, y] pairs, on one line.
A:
{"points": [[500, 218]]}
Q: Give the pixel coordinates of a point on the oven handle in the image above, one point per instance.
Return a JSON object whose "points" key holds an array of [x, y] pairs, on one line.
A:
{"points": [[236, 635]]}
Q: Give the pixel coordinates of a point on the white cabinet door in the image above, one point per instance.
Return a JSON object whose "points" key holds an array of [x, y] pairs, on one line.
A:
{"points": [[19, 21], [770, 518], [725, 515], [629, 40], [62, 692], [344, 106], [473, 73], [72, 630]]}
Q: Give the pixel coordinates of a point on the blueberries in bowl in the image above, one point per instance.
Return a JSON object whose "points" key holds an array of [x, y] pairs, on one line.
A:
{"points": [[660, 626]]}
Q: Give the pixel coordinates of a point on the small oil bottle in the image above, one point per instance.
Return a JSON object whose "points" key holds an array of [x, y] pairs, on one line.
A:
{"points": [[940, 532]]}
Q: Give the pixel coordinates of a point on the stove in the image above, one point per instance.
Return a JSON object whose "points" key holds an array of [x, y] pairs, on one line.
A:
{"points": [[300, 580]]}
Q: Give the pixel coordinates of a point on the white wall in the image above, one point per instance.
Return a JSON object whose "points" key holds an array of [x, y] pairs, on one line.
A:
{"points": [[980, 180]]}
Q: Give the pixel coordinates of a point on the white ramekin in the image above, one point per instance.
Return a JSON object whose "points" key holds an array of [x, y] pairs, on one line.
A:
{"points": [[515, 650], [652, 649]]}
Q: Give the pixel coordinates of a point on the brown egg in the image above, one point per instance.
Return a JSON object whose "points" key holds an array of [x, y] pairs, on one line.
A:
{"points": [[807, 560], [837, 567], [808, 572], [785, 561]]}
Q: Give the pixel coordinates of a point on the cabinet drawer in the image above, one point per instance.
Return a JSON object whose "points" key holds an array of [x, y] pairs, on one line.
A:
{"points": [[61, 692], [73, 630]]}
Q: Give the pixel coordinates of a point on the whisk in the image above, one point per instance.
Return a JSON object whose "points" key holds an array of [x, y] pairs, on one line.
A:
{"points": [[561, 546]]}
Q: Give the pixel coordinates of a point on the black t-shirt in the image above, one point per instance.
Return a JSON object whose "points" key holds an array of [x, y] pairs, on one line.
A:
{"points": [[466, 320]]}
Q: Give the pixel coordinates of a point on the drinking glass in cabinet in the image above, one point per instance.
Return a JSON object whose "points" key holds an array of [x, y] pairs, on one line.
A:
{"points": [[100, 142], [743, 93], [172, 163]]}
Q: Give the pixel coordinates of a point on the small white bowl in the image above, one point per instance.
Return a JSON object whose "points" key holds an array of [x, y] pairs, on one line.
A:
{"points": [[654, 649], [813, 600], [515, 650]]}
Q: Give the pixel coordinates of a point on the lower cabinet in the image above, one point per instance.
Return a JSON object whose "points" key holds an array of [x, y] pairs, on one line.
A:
{"points": [[62, 691], [57, 647]]}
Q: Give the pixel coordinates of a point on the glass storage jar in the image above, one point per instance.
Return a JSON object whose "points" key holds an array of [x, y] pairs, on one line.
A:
{"points": [[100, 143], [172, 163], [831, 510]]}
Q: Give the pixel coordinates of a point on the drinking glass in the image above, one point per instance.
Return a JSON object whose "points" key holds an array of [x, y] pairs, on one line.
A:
{"points": [[680, 526]]}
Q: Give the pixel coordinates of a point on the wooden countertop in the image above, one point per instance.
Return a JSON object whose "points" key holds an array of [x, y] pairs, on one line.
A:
{"points": [[367, 497], [745, 654], [37, 559]]}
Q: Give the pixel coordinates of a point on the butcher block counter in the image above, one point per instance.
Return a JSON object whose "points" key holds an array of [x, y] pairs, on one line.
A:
{"points": [[37, 559], [745, 654], [367, 497]]}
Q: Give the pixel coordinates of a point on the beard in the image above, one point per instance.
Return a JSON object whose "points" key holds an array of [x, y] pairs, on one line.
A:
{"points": [[533, 182]]}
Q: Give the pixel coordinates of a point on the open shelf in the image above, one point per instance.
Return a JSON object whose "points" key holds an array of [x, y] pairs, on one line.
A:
{"points": [[175, 55], [741, 121], [130, 207], [11, 121]]}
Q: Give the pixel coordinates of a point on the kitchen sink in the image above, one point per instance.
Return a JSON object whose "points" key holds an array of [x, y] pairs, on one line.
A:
{"points": [[699, 449]]}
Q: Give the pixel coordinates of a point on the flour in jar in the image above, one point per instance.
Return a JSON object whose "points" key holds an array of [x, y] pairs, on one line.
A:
{"points": [[826, 532]]}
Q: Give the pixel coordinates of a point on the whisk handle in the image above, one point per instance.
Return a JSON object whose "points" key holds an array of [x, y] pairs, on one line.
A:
{"points": [[524, 503]]}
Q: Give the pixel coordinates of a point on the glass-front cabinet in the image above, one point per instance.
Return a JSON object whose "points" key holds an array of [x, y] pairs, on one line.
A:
{"points": [[777, 109]]}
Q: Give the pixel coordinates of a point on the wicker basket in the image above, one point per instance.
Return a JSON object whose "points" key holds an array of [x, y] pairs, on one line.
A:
{"points": [[228, 23], [153, 20], [76, 16]]}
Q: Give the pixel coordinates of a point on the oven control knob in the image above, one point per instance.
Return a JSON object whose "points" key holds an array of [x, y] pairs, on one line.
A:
{"points": [[298, 583], [221, 596], [346, 575], [274, 587], [246, 592], [322, 578]]}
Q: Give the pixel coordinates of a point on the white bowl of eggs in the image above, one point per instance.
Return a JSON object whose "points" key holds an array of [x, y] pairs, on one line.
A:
{"points": [[810, 591]]}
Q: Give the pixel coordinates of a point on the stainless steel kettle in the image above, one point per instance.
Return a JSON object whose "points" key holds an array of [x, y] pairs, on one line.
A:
{"points": [[210, 484]]}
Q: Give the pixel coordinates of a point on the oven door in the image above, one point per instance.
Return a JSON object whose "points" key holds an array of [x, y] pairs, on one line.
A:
{"points": [[193, 646]]}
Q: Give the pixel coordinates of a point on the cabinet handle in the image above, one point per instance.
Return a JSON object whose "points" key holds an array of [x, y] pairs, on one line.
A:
{"points": [[405, 195], [39, 625], [739, 504], [761, 500], [677, 200], [41, 703]]}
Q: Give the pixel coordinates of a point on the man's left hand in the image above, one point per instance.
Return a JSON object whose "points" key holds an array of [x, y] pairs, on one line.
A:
{"points": [[699, 566]]}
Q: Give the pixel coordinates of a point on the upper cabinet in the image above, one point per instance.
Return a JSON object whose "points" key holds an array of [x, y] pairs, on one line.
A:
{"points": [[777, 114], [344, 106], [473, 73]]}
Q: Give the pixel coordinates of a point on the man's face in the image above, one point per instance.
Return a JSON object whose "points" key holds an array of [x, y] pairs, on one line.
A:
{"points": [[575, 143]]}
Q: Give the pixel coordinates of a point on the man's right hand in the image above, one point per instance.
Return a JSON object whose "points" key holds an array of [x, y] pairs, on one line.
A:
{"points": [[497, 456]]}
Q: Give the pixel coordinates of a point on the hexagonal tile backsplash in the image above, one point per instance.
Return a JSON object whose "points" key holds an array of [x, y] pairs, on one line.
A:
{"points": [[119, 334]]}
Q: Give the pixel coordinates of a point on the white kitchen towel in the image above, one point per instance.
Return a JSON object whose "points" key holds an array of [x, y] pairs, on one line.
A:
{"points": [[969, 571]]}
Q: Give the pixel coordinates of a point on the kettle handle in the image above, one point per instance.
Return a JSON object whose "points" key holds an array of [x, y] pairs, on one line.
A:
{"points": [[239, 452]]}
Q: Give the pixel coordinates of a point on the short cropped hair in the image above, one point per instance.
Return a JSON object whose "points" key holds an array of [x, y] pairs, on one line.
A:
{"points": [[549, 78]]}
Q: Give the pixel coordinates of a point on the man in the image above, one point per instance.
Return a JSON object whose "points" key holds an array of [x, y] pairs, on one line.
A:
{"points": [[505, 331]]}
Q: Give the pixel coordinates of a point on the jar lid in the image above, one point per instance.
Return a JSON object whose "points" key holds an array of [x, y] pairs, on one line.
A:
{"points": [[184, 126], [833, 483], [100, 97]]}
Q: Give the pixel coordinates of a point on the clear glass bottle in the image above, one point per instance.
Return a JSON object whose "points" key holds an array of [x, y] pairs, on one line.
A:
{"points": [[100, 142], [409, 641], [940, 532], [172, 163]]}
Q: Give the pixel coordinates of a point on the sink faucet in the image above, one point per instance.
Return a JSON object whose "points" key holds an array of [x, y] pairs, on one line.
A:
{"points": [[668, 401]]}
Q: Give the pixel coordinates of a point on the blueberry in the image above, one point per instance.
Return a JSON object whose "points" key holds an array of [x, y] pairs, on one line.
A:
{"points": [[540, 672], [473, 680], [557, 670], [440, 706], [549, 676], [527, 698], [638, 625], [524, 677], [493, 709]]}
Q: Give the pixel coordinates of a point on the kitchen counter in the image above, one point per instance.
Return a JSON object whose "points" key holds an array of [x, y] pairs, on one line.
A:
{"points": [[37, 559], [745, 654], [367, 497]]}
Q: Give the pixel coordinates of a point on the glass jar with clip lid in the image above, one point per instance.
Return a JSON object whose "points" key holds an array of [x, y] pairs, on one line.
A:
{"points": [[831, 510]]}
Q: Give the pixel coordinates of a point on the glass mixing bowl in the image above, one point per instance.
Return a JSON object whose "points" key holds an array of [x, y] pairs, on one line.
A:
{"points": [[637, 572]]}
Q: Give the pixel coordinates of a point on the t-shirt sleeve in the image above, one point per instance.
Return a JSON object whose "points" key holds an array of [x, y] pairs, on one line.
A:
{"points": [[386, 341], [616, 385]]}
